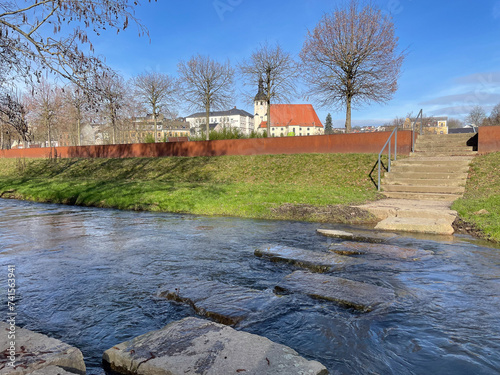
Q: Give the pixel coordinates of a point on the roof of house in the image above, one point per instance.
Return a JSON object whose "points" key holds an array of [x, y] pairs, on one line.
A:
{"points": [[232, 112], [293, 115]]}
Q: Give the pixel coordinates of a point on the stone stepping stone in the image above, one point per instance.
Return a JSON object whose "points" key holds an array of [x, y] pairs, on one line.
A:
{"points": [[354, 294], [197, 346], [388, 251], [226, 304], [363, 236], [313, 260], [35, 353]]}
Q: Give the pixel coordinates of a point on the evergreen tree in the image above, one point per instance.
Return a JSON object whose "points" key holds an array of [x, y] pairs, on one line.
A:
{"points": [[328, 124]]}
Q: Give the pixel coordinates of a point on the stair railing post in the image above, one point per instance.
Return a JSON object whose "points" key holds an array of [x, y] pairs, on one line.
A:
{"points": [[396, 145]]}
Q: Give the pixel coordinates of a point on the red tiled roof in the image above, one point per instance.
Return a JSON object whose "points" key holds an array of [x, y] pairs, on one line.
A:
{"points": [[293, 115]]}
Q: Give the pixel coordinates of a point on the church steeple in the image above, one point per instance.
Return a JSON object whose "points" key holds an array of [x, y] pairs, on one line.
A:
{"points": [[260, 95], [260, 106]]}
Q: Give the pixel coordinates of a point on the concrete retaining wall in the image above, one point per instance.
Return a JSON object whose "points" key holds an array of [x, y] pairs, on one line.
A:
{"points": [[335, 143]]}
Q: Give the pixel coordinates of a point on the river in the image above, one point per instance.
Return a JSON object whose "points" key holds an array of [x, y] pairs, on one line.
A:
{"points": [[89, 277]]}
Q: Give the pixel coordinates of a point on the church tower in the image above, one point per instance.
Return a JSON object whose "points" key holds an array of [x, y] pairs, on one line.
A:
{"points": [[260, 106]]}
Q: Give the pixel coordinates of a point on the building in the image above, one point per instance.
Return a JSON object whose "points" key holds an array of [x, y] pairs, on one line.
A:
{"points": [[143, 128], [234, 118], [431, 125], [286, 119]]}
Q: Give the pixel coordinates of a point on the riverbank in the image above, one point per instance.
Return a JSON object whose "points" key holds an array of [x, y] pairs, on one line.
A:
{"points": [[307, 187], [479, 209]]}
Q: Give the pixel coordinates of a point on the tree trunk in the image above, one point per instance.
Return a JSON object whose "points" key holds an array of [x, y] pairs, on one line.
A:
{"points": [[268, 118], [154, 120], [1, 137], [78, 142], [48, 133], [113, 124], [348, 116], [207, 109]]}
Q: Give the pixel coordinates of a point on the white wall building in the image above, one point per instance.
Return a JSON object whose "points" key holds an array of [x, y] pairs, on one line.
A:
{"points": [[234, 118]]}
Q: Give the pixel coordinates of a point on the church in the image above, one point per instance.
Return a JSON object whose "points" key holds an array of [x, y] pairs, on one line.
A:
{"points": [[299, 119]]}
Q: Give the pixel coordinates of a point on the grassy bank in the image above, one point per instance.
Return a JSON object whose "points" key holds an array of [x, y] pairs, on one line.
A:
{"points": [[481, 202], [305, 187]]}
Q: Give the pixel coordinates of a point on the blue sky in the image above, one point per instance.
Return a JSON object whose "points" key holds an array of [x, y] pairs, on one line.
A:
{"points": [[453, 47]]}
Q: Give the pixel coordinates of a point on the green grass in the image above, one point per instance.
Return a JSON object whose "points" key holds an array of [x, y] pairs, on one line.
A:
{"points": [[244, 186], [483, 193]]}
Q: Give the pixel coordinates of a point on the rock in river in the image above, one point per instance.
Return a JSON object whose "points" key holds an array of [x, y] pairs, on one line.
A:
{"points": [[361, 296], [226, 304], [358, 235], [314, 260], [37, 352], [197, 346], [383, 250]]}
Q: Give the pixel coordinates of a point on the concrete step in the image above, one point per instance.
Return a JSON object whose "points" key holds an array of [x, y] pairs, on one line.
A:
{"points": [[424, 162], [420, 225], [447, 168], [446, 137], [442, 148], [424, 189], [394, 175], [422, 196], [389, 180], [438, 153]]}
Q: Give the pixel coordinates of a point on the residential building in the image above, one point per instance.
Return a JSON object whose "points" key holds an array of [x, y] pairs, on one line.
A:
{"points": [[165, 128], [286, 119], [431, 125], [234, 118]]}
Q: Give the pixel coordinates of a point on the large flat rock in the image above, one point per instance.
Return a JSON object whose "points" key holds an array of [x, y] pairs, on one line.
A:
{"points": [[37, 352], [358, 235], [383, 250], [196, 346], [313, 260], [226, 304], [354, 294]]}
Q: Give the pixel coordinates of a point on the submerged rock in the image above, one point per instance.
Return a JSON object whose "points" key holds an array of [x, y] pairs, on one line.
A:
{"points": [[361, 296], [365, 236], [226, 304], [313, 260], [388, 251], [37, 352], [196, 346]]}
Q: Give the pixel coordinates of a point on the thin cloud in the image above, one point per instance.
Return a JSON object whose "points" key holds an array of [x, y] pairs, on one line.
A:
{"points": [[483, 79], [458, 111], [470, 97], [496, 10]]}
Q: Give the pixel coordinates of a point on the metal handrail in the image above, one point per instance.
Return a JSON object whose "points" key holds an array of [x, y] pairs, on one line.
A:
{"points": [[395, 134], [420, 114]]}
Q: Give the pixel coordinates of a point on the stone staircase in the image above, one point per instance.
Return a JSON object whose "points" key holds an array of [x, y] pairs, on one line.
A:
{"points": [[422, 187], [437, 170]]}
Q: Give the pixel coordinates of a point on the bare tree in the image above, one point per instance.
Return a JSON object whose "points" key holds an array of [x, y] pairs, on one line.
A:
{"points": [[113, 90], [207, 84], [12, 117], [454, 123], [350, 58], [44, 106], [37, 35], [157, 91], [494, 117], [476, 116], [77, 104], [275, 72]]}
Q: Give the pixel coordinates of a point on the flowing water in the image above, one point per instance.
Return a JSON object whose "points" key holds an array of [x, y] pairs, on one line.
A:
{"points": [[89, 277]]}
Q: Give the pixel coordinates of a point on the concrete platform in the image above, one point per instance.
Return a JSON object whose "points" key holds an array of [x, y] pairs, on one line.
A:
{"points": [[354, 294], [194, 346], [421, 216], [358, 235]]}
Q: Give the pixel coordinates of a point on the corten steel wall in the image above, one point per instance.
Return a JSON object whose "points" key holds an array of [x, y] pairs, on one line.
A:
{"points": [[335, 143], [488, 139]]}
